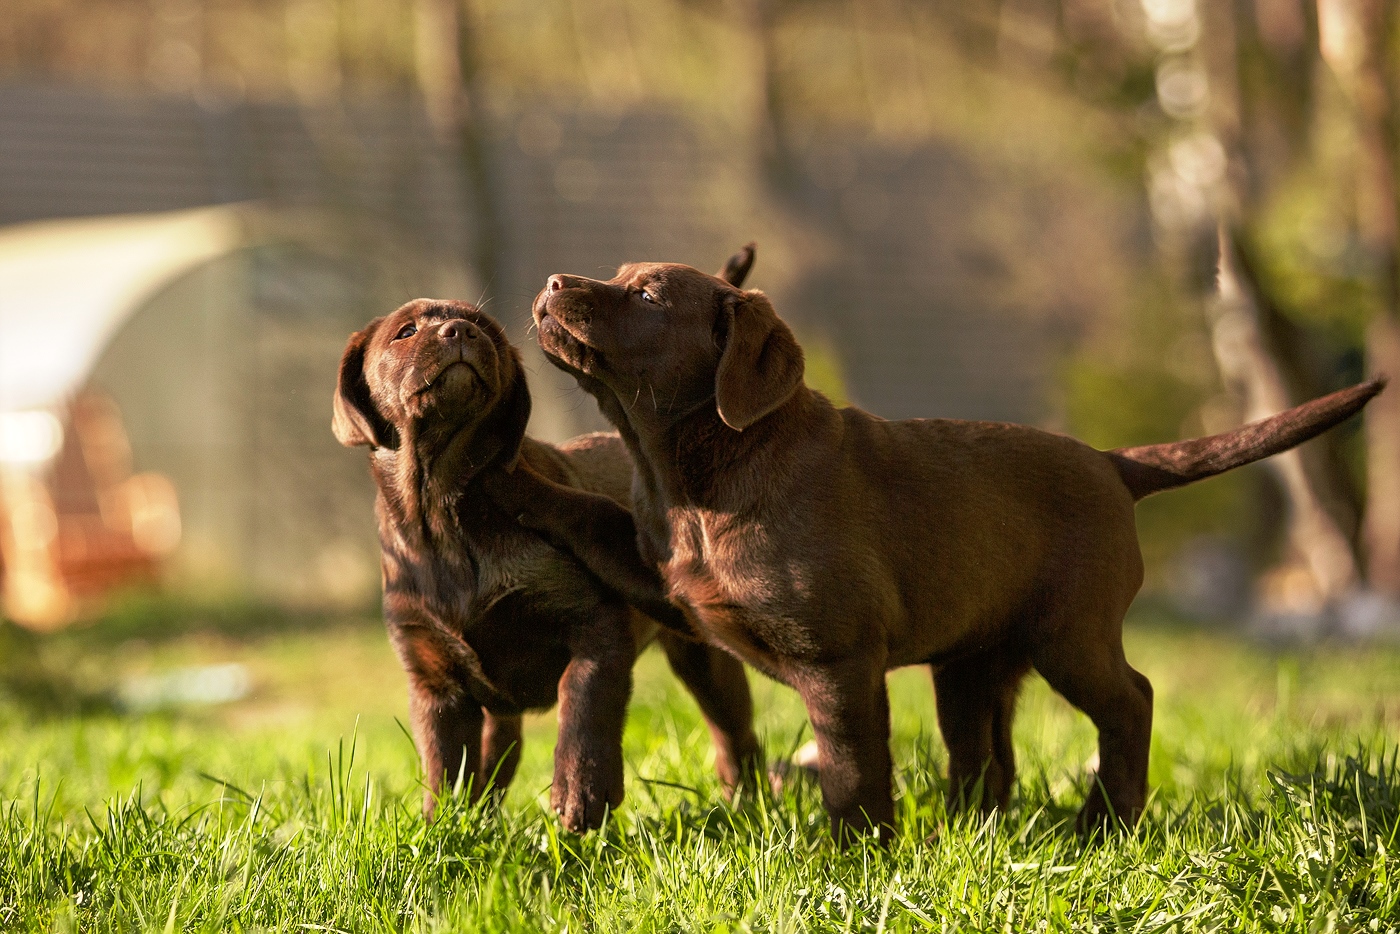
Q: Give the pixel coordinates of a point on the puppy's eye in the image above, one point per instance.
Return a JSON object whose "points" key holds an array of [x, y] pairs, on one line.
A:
{"points": [[648, 297], [408, 330]]}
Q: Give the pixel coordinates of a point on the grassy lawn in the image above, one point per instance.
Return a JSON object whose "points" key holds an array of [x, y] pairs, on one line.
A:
{"points": [[1276, 805]]}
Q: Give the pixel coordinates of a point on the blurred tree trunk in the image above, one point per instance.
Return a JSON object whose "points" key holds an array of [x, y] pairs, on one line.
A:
{"points": [[1369, 75], [1265, 133], [449, 77], [770, 125], [777, 167], [1246, 360], [1382, 521]]}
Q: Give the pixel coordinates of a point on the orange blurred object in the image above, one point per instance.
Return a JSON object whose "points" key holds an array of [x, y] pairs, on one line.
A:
{"points": [[75, 523]]}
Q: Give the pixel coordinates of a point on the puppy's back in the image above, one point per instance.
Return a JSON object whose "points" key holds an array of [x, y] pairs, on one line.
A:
{"points": [[601, 464]]}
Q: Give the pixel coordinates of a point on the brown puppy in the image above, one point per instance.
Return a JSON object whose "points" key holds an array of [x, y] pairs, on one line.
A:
{"points": [[825, 546], [488, 619]]}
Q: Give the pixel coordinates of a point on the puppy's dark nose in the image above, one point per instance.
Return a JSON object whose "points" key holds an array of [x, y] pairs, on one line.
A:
{"points": [[457, 329]]}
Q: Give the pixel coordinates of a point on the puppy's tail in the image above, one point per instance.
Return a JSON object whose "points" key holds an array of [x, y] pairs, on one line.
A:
{"points": [[1157, 467]]}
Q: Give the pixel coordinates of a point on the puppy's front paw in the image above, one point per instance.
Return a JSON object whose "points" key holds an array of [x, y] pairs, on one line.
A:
{"points": [[587, 783]]}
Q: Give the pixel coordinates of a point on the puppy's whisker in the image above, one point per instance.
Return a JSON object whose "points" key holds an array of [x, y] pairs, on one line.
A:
{"points": [[482, 301]]}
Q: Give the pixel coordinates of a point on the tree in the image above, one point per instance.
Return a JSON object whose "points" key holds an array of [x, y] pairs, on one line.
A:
{"points": [[450, 79]]}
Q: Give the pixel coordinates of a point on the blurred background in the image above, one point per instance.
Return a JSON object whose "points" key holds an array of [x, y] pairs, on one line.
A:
{"points": [[1128, 220]]}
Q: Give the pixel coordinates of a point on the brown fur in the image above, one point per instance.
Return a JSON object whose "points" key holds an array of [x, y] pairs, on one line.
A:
{"points": [[825, 546], [488, 618]]}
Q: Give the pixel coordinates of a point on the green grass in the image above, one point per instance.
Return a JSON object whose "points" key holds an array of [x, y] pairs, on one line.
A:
{"points": [[1276, 805]]}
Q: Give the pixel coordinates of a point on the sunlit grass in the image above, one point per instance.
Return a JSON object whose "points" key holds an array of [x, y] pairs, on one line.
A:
{"points": [[1276, 806]]}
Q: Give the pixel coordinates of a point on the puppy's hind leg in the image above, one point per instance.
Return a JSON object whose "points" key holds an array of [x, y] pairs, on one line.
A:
{"points": [[976, 705], [1085, 664]]}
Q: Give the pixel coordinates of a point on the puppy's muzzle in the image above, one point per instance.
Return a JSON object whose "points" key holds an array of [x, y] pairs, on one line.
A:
{"points": [[570, 300], [458, 341]]}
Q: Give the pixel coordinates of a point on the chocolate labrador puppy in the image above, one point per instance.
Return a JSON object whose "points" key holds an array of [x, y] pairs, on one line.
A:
{"points": [[489, 619], [825, 546]]}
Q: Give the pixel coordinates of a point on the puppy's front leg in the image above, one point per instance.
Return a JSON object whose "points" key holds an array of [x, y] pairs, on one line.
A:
{"points": [[716, 680], [446, 719], [594, 529], [850, 712], [500, 752], [593, 695]]}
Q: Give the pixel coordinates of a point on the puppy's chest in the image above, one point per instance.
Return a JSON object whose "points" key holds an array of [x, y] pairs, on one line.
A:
{"points": [[516, 623]]}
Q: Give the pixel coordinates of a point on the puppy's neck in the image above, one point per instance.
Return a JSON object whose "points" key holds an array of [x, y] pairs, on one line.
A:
{"points": [[423, 480], [648, 502], [700, 461]]}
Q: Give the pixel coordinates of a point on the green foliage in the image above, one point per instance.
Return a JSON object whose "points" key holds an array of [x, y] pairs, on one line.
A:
{"points": [[1317, 269], [1276, 807], [824, 370], [1121, 407], [1147, 382], [1115, 406]]}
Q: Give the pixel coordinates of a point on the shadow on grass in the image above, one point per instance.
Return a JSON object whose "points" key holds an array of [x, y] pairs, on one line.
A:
{"points": [[154, 618], [1154, 612], [34, 686], [35, 679]]}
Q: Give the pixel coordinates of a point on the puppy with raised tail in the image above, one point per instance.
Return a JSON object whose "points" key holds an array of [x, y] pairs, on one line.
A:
{"points": [[825, 546]]}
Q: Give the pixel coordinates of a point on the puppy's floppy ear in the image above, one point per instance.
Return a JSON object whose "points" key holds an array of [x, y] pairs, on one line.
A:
{"points": [[761, 366], [736, 268], [354, 419]]}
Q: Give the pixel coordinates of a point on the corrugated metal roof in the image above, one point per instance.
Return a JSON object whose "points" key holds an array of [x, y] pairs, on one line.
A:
{"points": [[67, 286]]}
